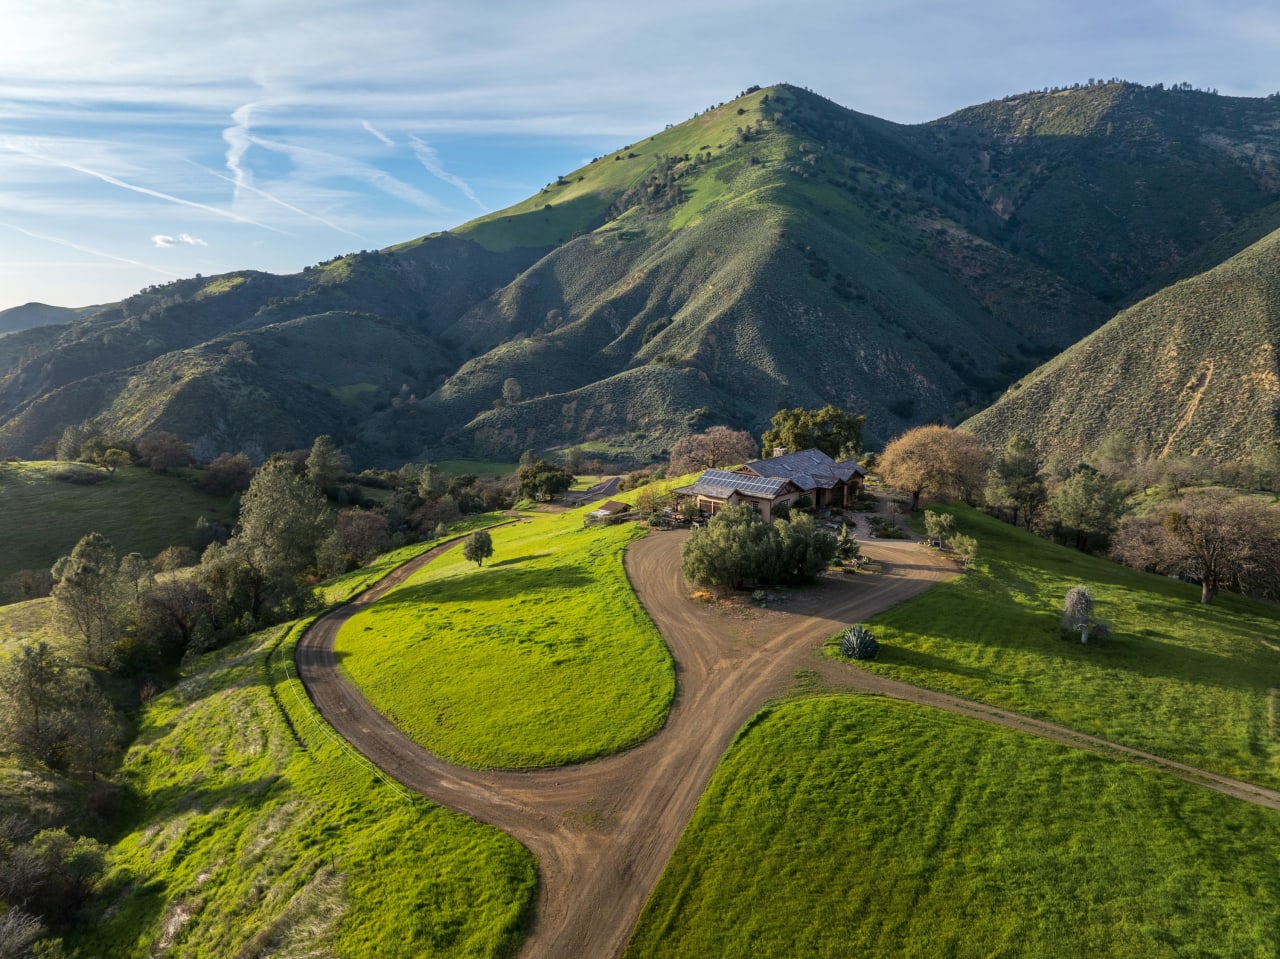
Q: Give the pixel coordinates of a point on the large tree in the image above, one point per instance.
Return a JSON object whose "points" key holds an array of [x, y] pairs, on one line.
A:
{"points": [[1015, 482], [283, 521], [86, 594], [326, 464], [1222, 540], [477, 547], [1088, 506], [717, 446], [32, 690], [543, 480], [938, 459], [836, 432]]}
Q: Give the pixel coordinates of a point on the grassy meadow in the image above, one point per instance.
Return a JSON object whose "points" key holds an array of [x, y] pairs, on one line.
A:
{"points": [[540, 657], [256, 832], [1176, 678], [855, 826], [139, 511]]}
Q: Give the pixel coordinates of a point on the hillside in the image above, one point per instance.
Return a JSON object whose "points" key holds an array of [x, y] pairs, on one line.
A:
{"points": [[32, 315], [776, 250], [1191, 370]]}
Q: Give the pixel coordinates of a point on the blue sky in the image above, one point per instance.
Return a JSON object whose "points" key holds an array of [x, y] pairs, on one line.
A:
{"points": [[142, 141]]}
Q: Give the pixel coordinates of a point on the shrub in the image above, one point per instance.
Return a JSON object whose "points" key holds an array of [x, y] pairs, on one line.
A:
{"points": [[858, 642]]}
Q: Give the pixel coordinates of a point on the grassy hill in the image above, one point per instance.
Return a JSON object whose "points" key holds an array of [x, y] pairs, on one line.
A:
{"points": [[776, 250], [255, 831], [1193, 369], [139, 511], [846, 825]]}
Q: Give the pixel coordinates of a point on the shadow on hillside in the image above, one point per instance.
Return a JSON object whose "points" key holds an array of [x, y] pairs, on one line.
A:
{"points": [[517, 559], [486, 583]]}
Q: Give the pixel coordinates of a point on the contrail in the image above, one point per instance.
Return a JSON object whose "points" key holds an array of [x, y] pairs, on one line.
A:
{"points": [[279, 202], [88, 249], [106, 178], [430, 159]]}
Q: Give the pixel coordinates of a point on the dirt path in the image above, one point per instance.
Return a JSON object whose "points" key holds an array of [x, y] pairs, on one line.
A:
{"points": [[603, 832]]}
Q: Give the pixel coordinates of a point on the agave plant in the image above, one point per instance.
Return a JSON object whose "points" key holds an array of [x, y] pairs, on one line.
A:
{"points": [[858, 642]]}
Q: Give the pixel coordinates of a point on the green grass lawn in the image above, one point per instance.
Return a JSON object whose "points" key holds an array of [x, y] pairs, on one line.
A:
{"points": [[543, 656], [1176, 678], [342, 588], [850, 826], [139, 511], [258, 833]]}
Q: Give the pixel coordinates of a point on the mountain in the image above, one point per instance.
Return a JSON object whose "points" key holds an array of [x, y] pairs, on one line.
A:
{"points": [[1193, 369], [777, 250], [31, 315]]}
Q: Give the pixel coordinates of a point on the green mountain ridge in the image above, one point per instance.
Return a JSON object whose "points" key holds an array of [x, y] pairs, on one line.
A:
{"points": [[1192, 370], [777, 250]]}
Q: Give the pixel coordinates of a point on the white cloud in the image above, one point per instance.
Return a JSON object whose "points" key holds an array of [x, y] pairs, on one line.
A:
{"points": [[238, 143], [386, 140], [81, 248], [430, 159], [164, 240]]}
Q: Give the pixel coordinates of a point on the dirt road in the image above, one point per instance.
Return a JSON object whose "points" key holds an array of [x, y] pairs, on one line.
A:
{"points": [[603, 832]]}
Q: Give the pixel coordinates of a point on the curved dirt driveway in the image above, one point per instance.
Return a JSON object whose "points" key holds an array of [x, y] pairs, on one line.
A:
{"points": [[603, 832]]}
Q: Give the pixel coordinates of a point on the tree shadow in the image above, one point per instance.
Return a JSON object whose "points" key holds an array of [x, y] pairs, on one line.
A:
{"points": [[486, 583]]}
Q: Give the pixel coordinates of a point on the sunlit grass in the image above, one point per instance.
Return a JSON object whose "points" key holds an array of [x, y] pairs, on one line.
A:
{"points": [[1177, 678], [542, 656], [257, 832], [848, 826]]}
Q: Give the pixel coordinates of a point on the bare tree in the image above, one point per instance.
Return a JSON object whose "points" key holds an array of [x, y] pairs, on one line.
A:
{"points": [[1222, 540], [718, 446]]}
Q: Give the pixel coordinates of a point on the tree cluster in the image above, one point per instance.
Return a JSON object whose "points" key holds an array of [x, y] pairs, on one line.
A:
{"points": [[737, 549]]}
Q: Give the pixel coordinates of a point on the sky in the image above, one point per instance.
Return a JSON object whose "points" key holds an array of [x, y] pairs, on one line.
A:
{"points": [[143, 141]]}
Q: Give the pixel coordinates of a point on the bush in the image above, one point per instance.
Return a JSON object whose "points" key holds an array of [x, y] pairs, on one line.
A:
{"points": [[858, 642]]}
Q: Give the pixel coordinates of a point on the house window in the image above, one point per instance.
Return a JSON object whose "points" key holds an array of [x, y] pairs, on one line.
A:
{"points": [[755, 506]]}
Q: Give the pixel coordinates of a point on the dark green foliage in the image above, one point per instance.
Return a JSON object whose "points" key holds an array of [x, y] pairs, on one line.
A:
{"points": [[858, 642], [1087, 507], [1015, 481], [86, 592], [52, 875], [836, 432], [543, 481], [478, 547], [737, 548]]}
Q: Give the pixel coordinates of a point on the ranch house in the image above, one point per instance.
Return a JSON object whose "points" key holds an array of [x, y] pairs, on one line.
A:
{"points": [[783, 478]]}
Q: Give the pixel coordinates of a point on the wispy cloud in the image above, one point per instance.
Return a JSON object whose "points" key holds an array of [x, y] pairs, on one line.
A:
{"points": [[163, 240], [271, 197], [386, 140], [81, 248], [238, 143], [430, 159], [17, 147]]}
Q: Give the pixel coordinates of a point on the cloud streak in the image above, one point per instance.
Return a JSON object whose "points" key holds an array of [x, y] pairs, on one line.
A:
{"points": [[430, 159], [145, 191], [386, 140], [238, 143], [80, 248]]}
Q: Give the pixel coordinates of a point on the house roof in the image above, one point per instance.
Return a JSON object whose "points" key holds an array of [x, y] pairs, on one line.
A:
{"points": [[612, 506], [808, 469], [721, 484]]}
